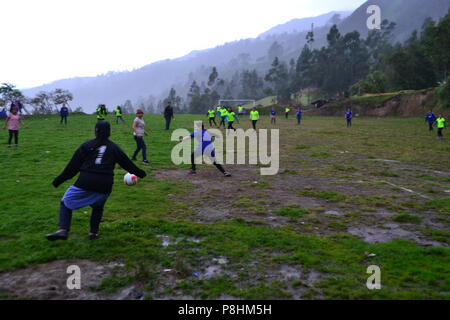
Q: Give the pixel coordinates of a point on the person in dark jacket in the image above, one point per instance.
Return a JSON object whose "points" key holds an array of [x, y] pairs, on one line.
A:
{"points": [[430, 117], [64, 112], [95, 161], [168, 115]]}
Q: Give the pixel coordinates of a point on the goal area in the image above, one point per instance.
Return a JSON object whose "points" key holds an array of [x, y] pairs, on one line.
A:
{"points": [[237, 102]]}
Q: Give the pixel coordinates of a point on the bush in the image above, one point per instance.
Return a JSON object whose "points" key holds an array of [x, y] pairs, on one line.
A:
{"points": [[376, 82], [443, 93]]}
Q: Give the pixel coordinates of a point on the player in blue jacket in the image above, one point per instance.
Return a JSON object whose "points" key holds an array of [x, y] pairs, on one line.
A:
{"points": [[430, 118], [349, 117], [64, 112]]}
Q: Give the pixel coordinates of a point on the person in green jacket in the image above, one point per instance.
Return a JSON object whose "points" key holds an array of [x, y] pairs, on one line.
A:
{"points": [[119, 114], [254, 116], [286, 111], [101, 112], [231, 116], [223, 116], [211, 116], [440, 123]]}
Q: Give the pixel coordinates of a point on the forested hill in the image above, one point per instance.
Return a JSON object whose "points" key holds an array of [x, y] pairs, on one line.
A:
{"points": [[408, 15], [152, 83], [301, 25]]}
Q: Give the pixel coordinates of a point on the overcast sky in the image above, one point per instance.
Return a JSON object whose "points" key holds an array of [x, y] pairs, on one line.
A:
{"points": [[47, 40]]}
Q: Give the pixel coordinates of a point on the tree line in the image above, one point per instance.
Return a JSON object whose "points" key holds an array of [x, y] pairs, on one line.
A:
{"points": [[347, 65], [42, 103]]}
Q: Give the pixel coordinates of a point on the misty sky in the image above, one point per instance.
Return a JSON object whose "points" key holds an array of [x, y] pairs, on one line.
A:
{"points": [[47, 40]]}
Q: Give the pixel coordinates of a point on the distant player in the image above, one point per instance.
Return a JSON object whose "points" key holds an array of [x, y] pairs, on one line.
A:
{"points": [[286, 112], [101, 112], [168, 115], [119, 114], [211, 116], [95, 161], [205, 147], [440, 123], [231, 116], [349, 117], [299, 114], [139, 133], [254, 117], [223, 116], [12, 123], [64, 112], [273, 116], [430, 118]]}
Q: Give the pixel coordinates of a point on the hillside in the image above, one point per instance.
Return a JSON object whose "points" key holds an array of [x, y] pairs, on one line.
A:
{"points": [[400, 104], [407, 14], [301, 25], [155, 80]]}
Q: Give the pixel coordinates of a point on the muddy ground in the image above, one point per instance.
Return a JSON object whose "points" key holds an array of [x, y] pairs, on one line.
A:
{"points": [[250, 196]]}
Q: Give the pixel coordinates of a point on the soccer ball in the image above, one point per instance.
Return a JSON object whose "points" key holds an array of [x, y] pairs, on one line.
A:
{"points": [[130, 179]]}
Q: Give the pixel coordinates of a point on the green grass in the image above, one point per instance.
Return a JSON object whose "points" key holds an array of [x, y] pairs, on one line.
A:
{"points": [[291, 212], [442, 205], [136, 216], [330, 196], [404, 217]]}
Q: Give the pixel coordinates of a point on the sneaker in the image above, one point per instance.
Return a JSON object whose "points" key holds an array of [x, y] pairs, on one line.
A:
{"points": [[133, 159], [227, 174], [192, 172], [62, 235], [145, 162], [93, 236]]}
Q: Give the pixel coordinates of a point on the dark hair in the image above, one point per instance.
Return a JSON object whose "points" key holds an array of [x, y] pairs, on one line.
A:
{"points": [[102, 132]]}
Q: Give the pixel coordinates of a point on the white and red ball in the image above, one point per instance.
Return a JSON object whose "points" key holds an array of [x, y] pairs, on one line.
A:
{"points": [[130, 179]]}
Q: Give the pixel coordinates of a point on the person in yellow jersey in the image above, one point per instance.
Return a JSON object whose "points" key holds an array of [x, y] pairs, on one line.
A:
{"points": [[240, 110], [254, 116], [119, 114], [223, 116], [440, 123], [211, 116], [286, 111], [231, 117], [101, 112]]}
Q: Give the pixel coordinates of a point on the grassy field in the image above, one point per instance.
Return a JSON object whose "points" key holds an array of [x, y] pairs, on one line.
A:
{"points": [[380, 187]]}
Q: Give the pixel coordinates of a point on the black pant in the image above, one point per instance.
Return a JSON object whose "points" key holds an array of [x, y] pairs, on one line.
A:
{"points": [[349, 122], [230, 125], [218, 166], [168, 119], [222, 120], [63, 118], [211, 120], [140, 145], [65, 216], [117, 119], [254, 124], [14, 133], [440, 135], [287, 115], [273, 120], [430, 126]]}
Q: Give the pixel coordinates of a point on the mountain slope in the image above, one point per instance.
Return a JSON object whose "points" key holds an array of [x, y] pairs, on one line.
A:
{"points": [[300, 25], [408, 14], [157, 78]]}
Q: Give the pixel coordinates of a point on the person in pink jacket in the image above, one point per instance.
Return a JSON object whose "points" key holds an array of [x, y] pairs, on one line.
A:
{"points": [[13, 122]]}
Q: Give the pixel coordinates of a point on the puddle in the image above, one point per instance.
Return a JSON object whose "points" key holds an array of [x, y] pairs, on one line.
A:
{"points": [[392, 231]]}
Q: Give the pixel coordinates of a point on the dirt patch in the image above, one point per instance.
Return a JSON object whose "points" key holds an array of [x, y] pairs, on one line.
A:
{"points": [[216, 198], [48, 281], [402, 105], [390, 232]]}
